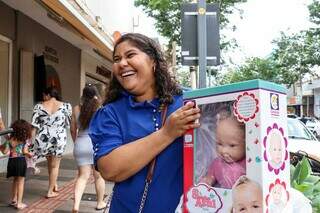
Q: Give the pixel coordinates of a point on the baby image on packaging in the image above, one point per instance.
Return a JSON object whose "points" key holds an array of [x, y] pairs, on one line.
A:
{"points": [[278, 197], [220, 151], [275, 150], [246, 196]]}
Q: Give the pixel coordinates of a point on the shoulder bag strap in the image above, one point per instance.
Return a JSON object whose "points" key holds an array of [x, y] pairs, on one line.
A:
{"points": [[151, 166], [149, 174]]}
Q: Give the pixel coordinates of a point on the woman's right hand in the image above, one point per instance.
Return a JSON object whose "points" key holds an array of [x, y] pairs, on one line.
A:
{"points": [[181, 120]]}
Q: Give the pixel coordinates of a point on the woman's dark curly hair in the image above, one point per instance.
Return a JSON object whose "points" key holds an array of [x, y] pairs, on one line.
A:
{"points": [[166, 86], [90, 102], [21, 130]]}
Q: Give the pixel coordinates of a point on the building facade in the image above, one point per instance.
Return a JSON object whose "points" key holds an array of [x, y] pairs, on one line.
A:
{"points": [[58, 43]]}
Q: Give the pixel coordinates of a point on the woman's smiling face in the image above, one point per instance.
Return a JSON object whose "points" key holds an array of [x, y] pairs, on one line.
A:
{"points": [[134, 70]]}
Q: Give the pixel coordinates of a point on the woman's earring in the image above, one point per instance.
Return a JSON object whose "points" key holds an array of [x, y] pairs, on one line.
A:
{"points": [[154, 69]]}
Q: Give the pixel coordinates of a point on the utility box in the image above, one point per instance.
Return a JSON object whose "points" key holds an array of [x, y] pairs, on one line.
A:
{"points": [[239, 155]]}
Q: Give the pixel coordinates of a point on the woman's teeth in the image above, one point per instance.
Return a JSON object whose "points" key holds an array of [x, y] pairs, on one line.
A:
{"points": [[125, 74]]}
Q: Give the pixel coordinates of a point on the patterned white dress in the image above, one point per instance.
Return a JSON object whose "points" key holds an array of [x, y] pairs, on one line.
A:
{"points": [[51, 136]]}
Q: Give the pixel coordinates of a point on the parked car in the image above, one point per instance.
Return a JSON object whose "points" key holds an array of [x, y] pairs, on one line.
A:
{"points": [[301, 139], [314, 126], [292, 116]]}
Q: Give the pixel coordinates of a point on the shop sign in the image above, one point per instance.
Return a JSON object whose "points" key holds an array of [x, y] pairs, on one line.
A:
{"points": [[294, 100], [51, 54]]}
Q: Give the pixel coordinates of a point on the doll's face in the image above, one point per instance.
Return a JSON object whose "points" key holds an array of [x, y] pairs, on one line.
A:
{"points": [[247, 198], [230, 143], [277, 193], [275, 148]]}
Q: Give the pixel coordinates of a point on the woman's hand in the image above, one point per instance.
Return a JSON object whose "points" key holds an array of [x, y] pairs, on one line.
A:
{"points": [[181, 120]]}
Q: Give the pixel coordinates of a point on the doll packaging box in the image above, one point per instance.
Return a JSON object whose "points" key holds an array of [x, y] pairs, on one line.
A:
{"points": [[238, 158]]}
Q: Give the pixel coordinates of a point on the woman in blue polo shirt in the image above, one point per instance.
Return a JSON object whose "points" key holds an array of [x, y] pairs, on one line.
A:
{"points": [[127, 133]]}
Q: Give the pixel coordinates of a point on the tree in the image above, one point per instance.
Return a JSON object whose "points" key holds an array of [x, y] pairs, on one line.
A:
{"points": [[296, 55], [293, 57], [314, 9], [254, 68], [183, 77]]}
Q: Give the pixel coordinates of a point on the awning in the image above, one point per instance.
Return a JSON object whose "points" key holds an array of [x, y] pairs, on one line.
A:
{"points": [[70, 14]]}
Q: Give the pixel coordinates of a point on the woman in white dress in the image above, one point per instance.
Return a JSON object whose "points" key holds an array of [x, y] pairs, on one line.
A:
{"points": [[50, 119], [83, 150]]}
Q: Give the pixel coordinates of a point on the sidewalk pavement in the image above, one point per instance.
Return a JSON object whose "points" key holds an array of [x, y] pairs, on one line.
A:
{"points": [[36, 188]]}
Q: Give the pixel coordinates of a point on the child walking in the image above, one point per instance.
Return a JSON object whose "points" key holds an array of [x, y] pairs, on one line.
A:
{"points": [[17, 166]]}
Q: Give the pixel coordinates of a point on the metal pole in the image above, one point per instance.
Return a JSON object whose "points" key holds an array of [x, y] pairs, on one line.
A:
{"points": [[301, 93], [202, 42], [174, 59], [209, 84], [193, 77]]}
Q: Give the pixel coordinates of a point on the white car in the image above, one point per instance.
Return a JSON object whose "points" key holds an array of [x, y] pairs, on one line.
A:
{"points": [[301, 139], [314, 125]]}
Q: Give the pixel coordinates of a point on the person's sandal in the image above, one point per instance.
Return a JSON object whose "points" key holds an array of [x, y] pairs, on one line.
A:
{"points": [[36, 170], [53, 195], [101, 208], [13, 203], [74, 211], [23, 206]]}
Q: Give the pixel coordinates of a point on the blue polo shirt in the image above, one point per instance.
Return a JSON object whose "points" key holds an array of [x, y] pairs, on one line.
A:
{"points": [[124, 121]]}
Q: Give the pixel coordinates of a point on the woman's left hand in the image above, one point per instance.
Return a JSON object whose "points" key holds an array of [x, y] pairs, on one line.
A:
{"points": [[181, 120]]}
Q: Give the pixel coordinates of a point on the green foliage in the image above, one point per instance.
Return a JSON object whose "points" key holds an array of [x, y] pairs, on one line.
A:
{"points": [[293, 57], [183, 77], [314, 9], [303, 180], [298, 54], [254, 68]]}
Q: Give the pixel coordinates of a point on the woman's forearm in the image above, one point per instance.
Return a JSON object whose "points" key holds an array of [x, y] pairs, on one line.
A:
{"points": [[74, 134], [130, 158], [73, 127]]}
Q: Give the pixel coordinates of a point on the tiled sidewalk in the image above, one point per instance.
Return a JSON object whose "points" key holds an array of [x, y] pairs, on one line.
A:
{"points": [[36, 188], [49, 205]]}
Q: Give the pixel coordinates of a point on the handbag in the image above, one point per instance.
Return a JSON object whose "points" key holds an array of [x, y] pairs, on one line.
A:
{"points": [[149, 174]]}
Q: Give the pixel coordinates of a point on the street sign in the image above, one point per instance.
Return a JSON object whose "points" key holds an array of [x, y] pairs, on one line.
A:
{"points": [[189, 32]]}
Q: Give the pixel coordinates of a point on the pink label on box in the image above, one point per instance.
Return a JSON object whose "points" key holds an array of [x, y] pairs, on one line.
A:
{"points": [[202, 198]]}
